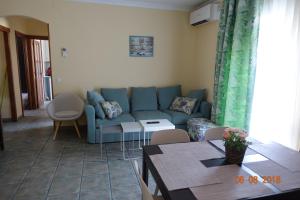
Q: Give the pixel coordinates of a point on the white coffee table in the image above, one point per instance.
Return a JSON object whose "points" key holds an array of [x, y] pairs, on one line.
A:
{"points": [[163, 124], [130, 127]]}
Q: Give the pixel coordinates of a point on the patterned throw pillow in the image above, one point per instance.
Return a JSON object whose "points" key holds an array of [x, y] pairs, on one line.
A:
{"points": [[183, 104], [112, 109]]}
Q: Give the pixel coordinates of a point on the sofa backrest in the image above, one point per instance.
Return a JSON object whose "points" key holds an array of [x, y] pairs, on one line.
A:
{"points": [[119, 95], [166, 95], [143, 99]]}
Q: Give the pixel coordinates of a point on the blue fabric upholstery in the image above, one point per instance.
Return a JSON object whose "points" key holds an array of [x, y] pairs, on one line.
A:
{"points": [[180, 117], [95, 99], [117, 94], [143, 98], [199, 95], [166, 95], [124, 117], [205, 109], [145, 115], [120, 95], [91, 126]]}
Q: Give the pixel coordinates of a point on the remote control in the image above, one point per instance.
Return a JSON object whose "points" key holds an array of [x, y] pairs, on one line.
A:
{"points": [[153, 122]]}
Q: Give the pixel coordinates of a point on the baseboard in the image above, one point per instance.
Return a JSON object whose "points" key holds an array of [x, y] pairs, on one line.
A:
{"points": [[5, 120]]}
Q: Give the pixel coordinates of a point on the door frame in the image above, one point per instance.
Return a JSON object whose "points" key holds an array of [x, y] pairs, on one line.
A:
{"points": [[12, 97], [29, 64], [20, 35]]}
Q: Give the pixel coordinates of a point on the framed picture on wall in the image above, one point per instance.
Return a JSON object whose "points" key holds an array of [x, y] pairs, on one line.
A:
{"points": [[140, 46]]}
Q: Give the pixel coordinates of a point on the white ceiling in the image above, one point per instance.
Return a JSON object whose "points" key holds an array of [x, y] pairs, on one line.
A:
{"points": [[184, 5]]}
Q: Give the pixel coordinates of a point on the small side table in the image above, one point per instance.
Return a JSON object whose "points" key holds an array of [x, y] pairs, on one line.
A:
{"points": [[130, 127], [148, 126], [197, 128]]}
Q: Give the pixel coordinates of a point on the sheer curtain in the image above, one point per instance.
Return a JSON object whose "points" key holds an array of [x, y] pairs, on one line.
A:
{"points": [[276, 101]]}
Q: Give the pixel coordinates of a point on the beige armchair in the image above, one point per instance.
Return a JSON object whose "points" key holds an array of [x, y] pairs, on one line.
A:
{"points": [[65, 107], [170, 137], [214, 133]]}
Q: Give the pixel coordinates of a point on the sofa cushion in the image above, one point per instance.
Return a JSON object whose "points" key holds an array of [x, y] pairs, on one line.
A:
{"points": [[199, 95], [183, 104], [117, 94], [143, 98], [145, 115], [112, 109], [166, 95], [180, 117], [124, 117], [95, 99]]}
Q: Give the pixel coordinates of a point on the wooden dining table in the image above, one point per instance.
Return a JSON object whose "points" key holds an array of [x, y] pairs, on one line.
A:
{"points": [[198, 171]]}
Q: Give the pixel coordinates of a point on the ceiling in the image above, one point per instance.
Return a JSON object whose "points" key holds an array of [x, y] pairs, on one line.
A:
{"points": [[185, 5]]}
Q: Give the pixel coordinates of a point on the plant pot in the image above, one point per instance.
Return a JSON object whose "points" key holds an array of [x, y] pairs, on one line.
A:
{"points": [[233, 156]]}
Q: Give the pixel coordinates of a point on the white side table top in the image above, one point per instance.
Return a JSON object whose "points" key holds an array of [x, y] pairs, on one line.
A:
{"points": [[162, 125], [129, 127]]}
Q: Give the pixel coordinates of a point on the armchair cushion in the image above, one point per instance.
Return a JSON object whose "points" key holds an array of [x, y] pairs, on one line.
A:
{"points": [[166, 95], [66, 113], [143, 98], [117, 94]]}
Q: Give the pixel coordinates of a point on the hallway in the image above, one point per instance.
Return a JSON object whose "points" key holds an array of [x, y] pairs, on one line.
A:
{"points": [[34, 119]]}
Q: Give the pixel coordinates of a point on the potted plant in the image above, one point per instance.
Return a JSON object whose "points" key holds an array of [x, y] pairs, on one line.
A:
{"points": [[235, 145]]}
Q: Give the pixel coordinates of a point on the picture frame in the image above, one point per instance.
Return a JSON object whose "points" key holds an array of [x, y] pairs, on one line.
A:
{"points": [[141, 46]]}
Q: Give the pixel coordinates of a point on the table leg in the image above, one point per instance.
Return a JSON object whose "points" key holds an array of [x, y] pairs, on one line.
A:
{"points": [[139, 140], [144, 138], [101, 143], [123, 142], [133, 137], [145, 170]]}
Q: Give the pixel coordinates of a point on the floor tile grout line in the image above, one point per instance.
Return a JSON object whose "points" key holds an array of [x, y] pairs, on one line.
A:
{"points": [[109, 177], [52, 178], [29, 170], [136, 175], [84, 157]]}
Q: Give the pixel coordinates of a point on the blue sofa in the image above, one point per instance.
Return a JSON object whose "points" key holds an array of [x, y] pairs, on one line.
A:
{"points": [[144, 103]]}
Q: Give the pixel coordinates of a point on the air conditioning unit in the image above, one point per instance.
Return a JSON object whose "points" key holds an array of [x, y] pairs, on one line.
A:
{"points": [[210, 12]]}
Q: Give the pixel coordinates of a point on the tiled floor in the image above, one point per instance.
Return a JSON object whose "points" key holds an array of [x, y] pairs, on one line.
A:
{"points": [[33, 166]]}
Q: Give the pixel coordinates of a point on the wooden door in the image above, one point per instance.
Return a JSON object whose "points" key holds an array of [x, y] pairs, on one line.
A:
{"points": [[39, 71]]}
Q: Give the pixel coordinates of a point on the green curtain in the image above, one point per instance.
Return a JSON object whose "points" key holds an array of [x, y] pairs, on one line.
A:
{"points": [[235, 62]]}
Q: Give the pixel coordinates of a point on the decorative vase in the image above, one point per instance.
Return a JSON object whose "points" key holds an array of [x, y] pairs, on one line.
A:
{"points": [[233, 156]]}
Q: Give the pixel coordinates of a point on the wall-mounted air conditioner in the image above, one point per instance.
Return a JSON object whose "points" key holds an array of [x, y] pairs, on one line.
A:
{"points": [[210, 12]]}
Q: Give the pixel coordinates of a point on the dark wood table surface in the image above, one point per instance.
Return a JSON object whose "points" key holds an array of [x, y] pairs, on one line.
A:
{"points": [[187, 194]]}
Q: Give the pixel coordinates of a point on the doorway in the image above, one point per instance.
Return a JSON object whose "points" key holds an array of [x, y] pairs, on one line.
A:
{"points": [[5, 78], [34, 71]]}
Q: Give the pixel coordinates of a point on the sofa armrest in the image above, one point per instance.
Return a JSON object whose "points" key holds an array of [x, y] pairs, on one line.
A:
{"points": [[91, 123], [205, 109]]}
